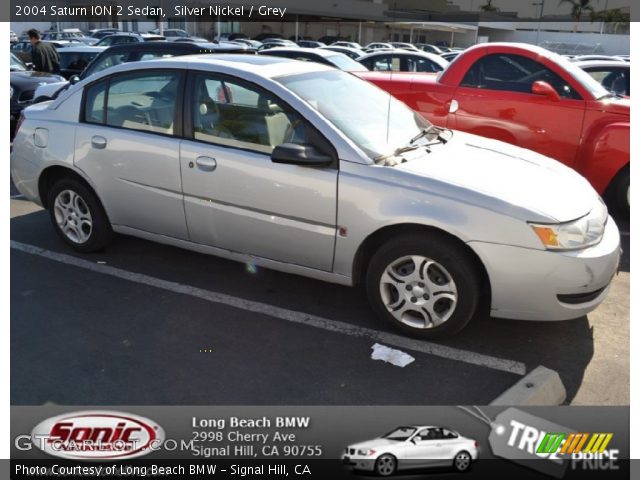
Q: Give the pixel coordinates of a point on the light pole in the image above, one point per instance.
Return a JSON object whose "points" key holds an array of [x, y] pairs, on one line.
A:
{"points": [[541, 5]]}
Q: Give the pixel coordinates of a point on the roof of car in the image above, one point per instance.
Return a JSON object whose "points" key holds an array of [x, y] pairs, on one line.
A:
{"points": [[173, 46], [84, 49], [262, 65], [312, 51]]}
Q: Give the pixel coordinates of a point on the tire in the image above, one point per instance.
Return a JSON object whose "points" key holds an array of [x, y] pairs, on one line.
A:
{"points": [[620, 191], [437, 307], [78, 216], [462, 461], [386, 465]]}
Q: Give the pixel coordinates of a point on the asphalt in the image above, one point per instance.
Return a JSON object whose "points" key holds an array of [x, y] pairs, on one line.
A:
{"points": [[82, 337]]}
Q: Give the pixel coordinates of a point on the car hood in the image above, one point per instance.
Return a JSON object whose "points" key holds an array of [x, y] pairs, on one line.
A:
{"points": [[34, 78], [375, 443], [507, 178]]}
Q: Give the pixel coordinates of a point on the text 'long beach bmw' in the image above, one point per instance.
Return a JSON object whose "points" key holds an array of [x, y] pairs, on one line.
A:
{"points": [[306, 169]]}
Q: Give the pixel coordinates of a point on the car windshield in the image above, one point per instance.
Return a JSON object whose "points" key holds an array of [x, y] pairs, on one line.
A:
{"points": [[582, 77], [347, 64], [16, 64], [374, 120], [400, 434]]}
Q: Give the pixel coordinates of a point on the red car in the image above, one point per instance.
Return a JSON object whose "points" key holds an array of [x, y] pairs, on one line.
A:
{"points": [[530, 97]]}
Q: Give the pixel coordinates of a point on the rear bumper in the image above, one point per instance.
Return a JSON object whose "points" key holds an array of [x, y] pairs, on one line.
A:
{"points": [[531, 284]]}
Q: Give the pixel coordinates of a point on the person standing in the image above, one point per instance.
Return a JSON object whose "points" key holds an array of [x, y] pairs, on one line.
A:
{"points": [[43, 56]]}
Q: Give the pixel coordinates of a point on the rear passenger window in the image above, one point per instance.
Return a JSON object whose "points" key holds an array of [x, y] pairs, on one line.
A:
{"points": [[241, 115], [141, 101]]}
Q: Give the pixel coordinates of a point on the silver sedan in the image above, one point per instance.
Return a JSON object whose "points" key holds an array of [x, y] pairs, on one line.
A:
{"points": [[306, 169]]}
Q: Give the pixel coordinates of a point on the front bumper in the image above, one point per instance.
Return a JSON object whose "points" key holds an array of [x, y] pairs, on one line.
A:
{"points": [[357, 462], [531, 284]]}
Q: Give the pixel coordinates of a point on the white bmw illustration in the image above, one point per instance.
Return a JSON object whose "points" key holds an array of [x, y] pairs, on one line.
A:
{"points": [[412, 447]]}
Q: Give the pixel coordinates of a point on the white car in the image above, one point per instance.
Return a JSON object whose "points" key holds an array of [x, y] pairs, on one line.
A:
{"points": [[412, 447]]}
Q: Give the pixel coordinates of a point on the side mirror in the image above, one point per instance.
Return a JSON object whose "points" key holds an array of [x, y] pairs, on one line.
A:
{"points": [[30, 66], [303, 155], [74, 79], [545, 90]]}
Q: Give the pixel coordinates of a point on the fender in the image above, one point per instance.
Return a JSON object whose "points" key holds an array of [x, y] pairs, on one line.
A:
{"points": [[603, 153]]}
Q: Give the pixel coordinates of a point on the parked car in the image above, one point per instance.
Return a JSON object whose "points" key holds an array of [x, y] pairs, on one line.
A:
{"points": [[405, 46], [612, 75], [118, 38], [600, 58], [66, 36], [103, 32], [412, 447], [450, 56], [23, 83], [352, 53], [22, 49], [13, 38], [171, 34], [403, 61], [74, 60], [344, 43], [427, 47], [325, 57], [255, 44], [377, 46], [136, 52], [533, 98], [268, 43], [310, 44], [244, 164]]}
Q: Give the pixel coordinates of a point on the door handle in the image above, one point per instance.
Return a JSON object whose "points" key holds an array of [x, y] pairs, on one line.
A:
{"points": [[206, 164], [98, 142], [453, 106]]}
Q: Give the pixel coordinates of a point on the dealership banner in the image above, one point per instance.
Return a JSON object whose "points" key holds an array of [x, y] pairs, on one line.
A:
{"points": [[318, 442]]}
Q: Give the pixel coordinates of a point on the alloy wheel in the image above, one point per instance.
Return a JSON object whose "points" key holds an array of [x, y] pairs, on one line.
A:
{"points": [[418, 291], [73, 216], [462, 461]]}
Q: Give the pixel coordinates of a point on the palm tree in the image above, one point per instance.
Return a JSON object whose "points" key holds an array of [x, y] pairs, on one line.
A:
{"points": [[489, 7], [613, 19], [578, 8]]}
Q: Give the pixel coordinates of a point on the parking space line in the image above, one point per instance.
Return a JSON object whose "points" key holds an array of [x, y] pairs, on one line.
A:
{"points": [[451, 353]]}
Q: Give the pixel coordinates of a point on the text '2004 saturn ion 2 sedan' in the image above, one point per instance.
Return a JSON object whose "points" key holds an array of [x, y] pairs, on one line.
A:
{"points": [[306, 169]]}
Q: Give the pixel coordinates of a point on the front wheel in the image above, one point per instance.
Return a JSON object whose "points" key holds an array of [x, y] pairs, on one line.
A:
{"points": [[78, 217], [622, 191], [425, 284], [385, 465]]}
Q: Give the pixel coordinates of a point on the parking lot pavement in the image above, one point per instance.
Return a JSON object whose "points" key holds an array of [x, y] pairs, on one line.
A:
{"points": [[137, 329]]}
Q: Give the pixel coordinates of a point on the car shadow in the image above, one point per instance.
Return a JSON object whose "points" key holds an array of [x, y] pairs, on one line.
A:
{"points": [[567, 347]]}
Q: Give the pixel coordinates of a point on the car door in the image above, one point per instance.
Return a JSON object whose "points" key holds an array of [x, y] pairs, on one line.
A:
{"points": [[425, 449], [495, 100], [236, 198], [127, 144]]}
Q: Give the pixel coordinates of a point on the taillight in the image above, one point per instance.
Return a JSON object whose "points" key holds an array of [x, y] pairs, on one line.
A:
{"points": [[20, 120], [475, 444]]}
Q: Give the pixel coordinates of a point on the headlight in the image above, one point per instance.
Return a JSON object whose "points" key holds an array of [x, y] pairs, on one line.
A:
{"points": [[580, 233], [366, 451], [11, 90]]}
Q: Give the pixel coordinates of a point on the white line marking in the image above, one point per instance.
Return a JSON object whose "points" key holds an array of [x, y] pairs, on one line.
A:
{"points": [[303, 318]]}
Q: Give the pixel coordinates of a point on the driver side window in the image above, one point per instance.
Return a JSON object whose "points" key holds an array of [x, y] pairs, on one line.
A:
{"points": [[514, 73], [242, 115]]}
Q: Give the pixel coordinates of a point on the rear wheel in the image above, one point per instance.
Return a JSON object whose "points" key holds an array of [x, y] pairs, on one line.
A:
{"points": [[78, 217], [462, 462], [424, 284], [386, 465]]}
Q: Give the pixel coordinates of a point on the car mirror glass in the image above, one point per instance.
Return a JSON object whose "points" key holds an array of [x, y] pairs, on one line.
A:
{"points": [[74, 79]]}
